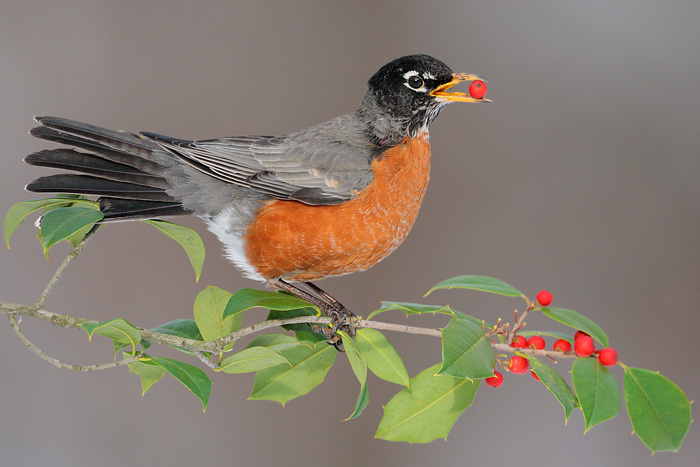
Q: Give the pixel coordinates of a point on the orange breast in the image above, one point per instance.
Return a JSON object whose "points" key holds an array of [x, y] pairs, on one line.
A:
{"points": [[298, 242]]}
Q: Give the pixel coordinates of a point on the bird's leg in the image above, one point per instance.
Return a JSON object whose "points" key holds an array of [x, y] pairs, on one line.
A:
{"points": [[334, 307], [335, 310]]}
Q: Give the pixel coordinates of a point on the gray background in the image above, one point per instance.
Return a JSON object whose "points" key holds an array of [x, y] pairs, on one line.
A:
{"points": [[582, 178]]}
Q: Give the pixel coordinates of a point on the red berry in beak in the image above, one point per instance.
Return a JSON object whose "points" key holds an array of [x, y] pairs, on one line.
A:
{"points": [[477, 89]]}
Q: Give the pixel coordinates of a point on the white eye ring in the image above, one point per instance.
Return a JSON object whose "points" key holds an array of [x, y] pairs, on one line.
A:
{"points": [[414, 82]]}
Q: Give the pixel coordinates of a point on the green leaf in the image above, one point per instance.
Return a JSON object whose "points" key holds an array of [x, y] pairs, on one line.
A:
{"points": [[149, 374], [597, 391], [190, 376], [302, 330], [481, 283], [246, 299], [276, 342], [658, 409], [252, 359], [359, 367], [209, 309], [186, 328], [362, 402], [118, 330], [282, 383], [18, 213], [187, 238], [380, 356], [79, 235], [427, 410], [466, 351], [61, 224], [410, 308], [576, 320], [555, 383], [419, 309]]}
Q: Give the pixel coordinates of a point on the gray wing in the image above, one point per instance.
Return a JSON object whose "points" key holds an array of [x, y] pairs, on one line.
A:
{"points": [[325, 164]]}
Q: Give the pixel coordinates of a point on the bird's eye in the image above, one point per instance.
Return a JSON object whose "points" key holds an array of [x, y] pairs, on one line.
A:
{"points": [[415, 82]]}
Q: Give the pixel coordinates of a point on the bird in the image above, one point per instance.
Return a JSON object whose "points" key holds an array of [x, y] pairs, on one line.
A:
{"points": [[325, 201]]}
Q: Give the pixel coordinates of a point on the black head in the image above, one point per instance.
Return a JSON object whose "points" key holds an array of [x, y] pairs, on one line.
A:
{"points": [[409, 92]]}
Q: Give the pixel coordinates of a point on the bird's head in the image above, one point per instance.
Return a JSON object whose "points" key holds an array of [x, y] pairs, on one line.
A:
{"points": [[405, 95]]}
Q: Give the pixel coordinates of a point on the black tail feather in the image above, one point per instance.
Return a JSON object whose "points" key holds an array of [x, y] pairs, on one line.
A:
{"points": [[115, 208], [120, 167], [70, 159], [89, 185], [121, 140], [106, 152]]}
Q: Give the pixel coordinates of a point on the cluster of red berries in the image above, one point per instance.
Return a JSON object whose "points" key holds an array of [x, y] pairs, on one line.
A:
{"points": [[583, 347]]}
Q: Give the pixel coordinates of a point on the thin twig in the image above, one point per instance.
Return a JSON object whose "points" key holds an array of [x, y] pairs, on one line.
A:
{"points": [[203, 358], [57, 275], [57, 363], [551, 354]]}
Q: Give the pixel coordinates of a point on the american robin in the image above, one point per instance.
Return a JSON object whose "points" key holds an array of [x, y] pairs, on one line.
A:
{"points": [[325, 201]]}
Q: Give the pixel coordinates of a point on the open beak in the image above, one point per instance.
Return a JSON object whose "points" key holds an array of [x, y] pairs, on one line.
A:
{"points": [[441, 91]]}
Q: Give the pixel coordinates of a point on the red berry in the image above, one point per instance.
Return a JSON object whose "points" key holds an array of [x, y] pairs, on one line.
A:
{"points": [[579, 334], [584, 346], [518, 365], [544, 298], [536, 342], [534, 375], [496, 380], [608, 357], [562, 345], [519, 342], [477, 89]]}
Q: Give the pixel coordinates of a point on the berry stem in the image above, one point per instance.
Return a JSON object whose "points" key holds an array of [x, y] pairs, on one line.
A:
{"points": [[551, 354]]}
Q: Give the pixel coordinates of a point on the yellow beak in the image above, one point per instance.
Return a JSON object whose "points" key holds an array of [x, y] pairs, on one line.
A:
{"points": [[441, 91]]}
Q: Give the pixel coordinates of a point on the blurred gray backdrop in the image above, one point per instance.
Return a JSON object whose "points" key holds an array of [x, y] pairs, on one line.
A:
{"points": [[582, 178]]}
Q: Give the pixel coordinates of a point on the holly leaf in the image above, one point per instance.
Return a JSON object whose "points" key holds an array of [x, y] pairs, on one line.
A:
{"points": [[556, 384], [149, 373], [19, 212], [246, 299], [480, 283], [190, 376], [658, 409], [380, 356], [209, 307], [302, 331], [576, 320], [276, 342], [282, 383], [119, 330], [466, 351], [597, 391], [252, 359], [420, 309], [427, 410], [186, 328], [63, 223], [187, 238], [359, 367]]}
